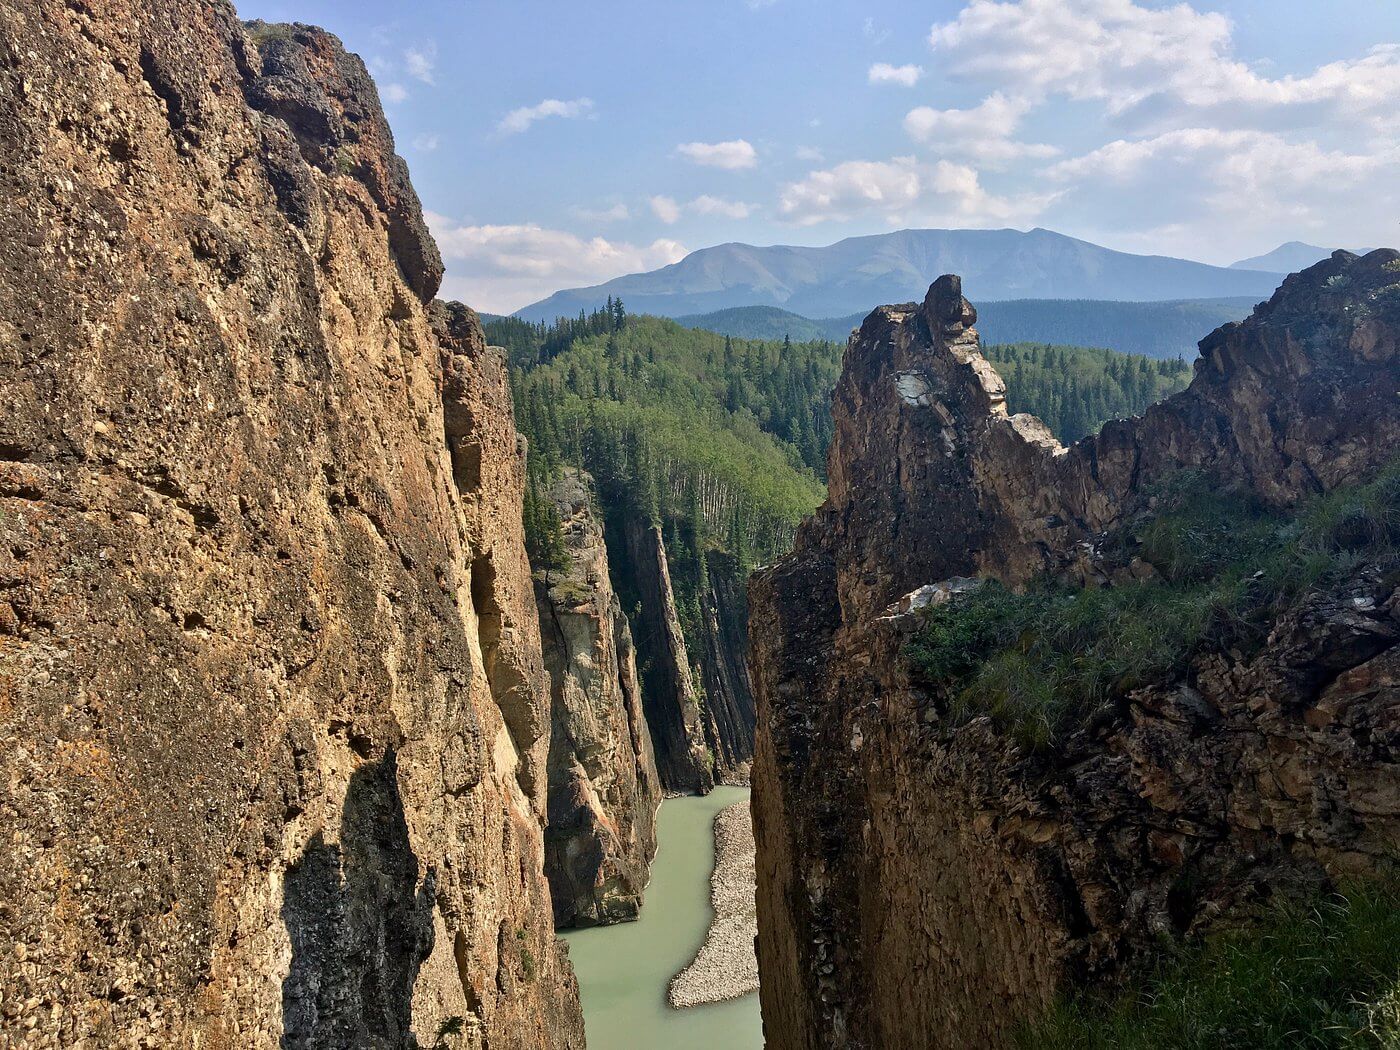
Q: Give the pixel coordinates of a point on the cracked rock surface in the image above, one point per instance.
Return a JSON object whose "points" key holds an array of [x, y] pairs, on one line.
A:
{"points": [[274, 721]]}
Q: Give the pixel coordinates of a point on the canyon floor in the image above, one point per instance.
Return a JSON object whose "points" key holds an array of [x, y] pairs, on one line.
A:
{"points": [[624, 970]]}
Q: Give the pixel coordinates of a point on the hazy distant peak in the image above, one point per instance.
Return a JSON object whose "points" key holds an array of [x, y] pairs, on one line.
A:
{"points": [[1288, 258], [858, 273]]}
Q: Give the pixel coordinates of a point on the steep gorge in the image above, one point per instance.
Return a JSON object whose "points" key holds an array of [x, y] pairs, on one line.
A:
{"points": [[724, 671], [930, 881], [603, 783], [274, 717], [668, 683]]}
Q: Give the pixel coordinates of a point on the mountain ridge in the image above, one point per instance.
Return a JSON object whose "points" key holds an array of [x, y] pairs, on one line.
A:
{"points": [[1158, 329], [853, 274], [1290, 257]]}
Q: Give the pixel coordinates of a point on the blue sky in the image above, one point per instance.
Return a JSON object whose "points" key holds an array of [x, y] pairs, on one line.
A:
{"points": [[559, 144]]}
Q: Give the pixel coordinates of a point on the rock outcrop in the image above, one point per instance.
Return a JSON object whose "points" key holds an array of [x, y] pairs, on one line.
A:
{"points": [[683, 759], [603, 786], [274, 721], [928, 883]]}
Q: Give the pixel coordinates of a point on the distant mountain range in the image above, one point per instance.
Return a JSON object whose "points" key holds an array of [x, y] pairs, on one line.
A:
{"points": [[1159, 329], [860, 273], [1289, 258]]}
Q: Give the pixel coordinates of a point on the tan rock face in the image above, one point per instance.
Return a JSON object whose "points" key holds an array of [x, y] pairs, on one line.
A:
{"points": [[603, 785], [273, 715], [925, 885]]}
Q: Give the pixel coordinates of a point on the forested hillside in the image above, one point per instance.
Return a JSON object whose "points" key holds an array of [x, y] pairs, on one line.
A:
{"points": [[1075, 389], [725, 439], [1157, 329], [721, 443], [727, 436]]}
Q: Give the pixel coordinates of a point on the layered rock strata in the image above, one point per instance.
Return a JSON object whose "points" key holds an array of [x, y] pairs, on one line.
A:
{"points": [[273, 714], [603, 786], [924, 883]]}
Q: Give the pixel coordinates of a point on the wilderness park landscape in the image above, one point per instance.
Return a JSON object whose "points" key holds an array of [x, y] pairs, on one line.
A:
{"points": [[762, 524]]}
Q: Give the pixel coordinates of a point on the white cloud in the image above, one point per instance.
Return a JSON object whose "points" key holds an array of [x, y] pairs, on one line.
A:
{"points": [[669, 210], [731, 156], [1249, 163], [665, 208], [902, 189], [984, 132], [1205, 190], [707, 205], [809, 153], [420, 62], [501, 268], [392, 93], [1137, 59], [519, 120], [426, 143], [617, 213], [1211, 153], [905, 76], [850, 188]]}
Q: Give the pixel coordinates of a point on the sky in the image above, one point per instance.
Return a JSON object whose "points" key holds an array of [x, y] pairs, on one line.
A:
{"points": [[559, 144]]}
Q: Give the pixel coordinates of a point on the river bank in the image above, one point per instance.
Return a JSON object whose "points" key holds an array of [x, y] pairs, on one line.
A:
{"points": [[624, 971], [726, 967]]}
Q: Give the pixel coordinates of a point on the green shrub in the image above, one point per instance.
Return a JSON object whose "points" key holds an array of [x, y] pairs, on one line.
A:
{"points": [[261, 33], [1323, 974], [1041, 662], [450, 1026]]}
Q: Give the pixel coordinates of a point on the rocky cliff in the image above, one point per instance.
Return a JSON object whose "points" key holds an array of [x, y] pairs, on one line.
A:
{"points": [[273, 713], [724, 669], [603, 786], [673, 710], [927, 881]]}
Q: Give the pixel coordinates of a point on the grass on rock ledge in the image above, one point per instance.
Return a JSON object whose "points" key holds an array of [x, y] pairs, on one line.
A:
{"points": [[1044, 661], [1325, 974]]}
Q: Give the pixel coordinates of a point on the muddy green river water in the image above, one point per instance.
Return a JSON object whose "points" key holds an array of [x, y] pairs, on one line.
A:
{"points": [[623, 971]]}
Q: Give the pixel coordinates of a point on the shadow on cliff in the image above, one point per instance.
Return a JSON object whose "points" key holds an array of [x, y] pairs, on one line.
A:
{"points": [[359, 925]]}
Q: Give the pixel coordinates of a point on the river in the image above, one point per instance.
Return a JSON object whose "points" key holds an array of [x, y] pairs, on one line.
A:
{"points": [[624, 970]]}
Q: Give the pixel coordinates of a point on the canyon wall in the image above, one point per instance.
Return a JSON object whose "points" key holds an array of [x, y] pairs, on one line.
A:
{"points": [[273, 713], [603, 785], [673, 711], [929, 883], [724, 670]]}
